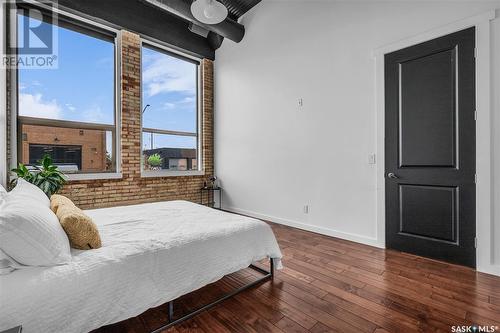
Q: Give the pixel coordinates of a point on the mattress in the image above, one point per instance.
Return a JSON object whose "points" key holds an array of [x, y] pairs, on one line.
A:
{"points": [[152, 253]]}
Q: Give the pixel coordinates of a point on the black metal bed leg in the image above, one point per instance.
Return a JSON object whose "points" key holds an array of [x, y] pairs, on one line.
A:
{"points": [[272, 267], [170, 311]]}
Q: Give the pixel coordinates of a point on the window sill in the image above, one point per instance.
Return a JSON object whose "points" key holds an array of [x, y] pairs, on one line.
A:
{"points": [[167, 173], [93, 176]]}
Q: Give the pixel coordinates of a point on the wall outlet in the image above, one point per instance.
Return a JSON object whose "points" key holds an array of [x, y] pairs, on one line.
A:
{"points": [[300, 102], [306, 209], [372, 159]]}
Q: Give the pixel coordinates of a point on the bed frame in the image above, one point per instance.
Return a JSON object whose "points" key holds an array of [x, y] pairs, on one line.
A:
{"points": [[267, 275]]}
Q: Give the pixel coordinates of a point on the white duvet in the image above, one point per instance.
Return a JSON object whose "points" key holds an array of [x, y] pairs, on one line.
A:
{"points": [[152, 253]]}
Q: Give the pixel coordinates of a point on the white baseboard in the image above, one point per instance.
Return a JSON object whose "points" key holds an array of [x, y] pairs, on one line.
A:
{"points": [[299, 225], [489, 269]]}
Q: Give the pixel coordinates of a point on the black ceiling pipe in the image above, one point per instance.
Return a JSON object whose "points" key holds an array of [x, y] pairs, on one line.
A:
{"points": [[228, 28], [214, 40]]}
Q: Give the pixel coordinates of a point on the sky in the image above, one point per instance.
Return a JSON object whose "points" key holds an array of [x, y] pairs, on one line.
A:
{"points": [[82, 88]]}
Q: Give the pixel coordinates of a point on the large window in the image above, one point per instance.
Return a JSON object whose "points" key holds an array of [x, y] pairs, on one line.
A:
{"points": [[170, 135], [69, 112]]}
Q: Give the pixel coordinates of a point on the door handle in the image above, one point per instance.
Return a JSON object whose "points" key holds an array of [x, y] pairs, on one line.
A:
{"points": [[392, 175]]}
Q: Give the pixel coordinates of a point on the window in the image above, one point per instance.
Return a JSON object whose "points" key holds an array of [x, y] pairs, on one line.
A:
{"points": [[69, 112], [170, 135], [69, 158]]}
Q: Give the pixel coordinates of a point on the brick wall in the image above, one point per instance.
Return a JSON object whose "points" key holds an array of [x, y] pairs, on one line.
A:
{"points": [[132, 188]]}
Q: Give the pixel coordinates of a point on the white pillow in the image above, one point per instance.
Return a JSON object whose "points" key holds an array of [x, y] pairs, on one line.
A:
{"points": [[7, 264], [26, 190], [31, 233]]}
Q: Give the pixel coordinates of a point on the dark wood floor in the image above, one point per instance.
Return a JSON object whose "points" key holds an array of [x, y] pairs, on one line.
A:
{"points": [[332, 285]]}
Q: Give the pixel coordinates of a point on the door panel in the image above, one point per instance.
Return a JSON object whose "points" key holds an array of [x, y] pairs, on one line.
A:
{"points": [[431, 76], [430, 148], [429, 211]]}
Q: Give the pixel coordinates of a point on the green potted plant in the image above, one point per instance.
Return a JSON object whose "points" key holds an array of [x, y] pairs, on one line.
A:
{"points": [[155, 161], [46, 176]]}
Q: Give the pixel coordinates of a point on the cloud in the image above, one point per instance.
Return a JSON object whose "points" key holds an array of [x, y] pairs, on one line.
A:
{"points": [[182, 103], [169, 106], [164, 74], [187, 100], [34, 106], [70, 107], [93, 114]]}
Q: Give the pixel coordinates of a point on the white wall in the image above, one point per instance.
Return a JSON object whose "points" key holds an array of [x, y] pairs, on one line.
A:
{"points": [[274, 157]]}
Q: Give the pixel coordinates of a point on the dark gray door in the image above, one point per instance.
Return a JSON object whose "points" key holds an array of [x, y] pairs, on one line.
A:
{"points": [[430, 143]]}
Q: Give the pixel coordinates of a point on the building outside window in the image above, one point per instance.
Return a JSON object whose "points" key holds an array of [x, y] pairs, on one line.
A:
{"points": [[170, 113], [68, 113]]}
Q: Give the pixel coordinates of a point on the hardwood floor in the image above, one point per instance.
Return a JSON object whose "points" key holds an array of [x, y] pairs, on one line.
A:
{"points": [[333, 285]]}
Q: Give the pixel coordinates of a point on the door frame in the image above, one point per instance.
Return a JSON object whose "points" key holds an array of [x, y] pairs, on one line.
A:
{"points": [[484, 218]]}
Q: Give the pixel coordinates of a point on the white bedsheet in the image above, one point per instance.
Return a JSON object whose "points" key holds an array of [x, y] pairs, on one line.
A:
{"points": [[152, 253]]}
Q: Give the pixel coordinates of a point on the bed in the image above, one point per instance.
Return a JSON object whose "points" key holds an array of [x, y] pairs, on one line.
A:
{"points": [[151, 254]]}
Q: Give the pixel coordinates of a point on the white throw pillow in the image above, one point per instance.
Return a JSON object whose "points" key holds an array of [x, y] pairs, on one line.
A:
{"points": [[31, 234], [28, 191]]}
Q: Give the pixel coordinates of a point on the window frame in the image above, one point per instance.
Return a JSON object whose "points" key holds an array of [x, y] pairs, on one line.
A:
{"points": [[160, 47], [86, 24]]}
